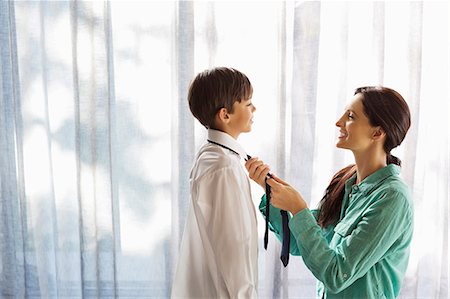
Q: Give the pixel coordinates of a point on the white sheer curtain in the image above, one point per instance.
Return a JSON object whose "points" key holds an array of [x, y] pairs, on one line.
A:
{"points": [[97, 141]]}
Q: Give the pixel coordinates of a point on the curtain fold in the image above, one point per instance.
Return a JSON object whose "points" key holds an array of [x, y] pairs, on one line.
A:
{"points": [[182, 126], [13, 212], [92, 124], [97, 139]]}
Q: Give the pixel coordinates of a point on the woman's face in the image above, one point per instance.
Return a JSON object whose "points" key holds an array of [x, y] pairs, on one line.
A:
{"points": [[355, 131]]}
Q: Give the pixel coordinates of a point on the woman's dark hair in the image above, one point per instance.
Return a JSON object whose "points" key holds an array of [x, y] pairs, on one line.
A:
{"points": [[214, 89], [386, 108]]}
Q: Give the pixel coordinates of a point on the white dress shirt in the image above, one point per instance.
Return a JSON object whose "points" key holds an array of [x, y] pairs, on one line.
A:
{"points": [[219, 249]]}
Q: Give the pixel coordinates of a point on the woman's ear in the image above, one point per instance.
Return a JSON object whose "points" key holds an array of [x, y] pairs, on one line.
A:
{"points": [[379, 133]]}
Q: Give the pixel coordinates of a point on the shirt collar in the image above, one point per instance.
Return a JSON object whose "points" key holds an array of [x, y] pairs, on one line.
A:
{"points": [[226, 140], [372, 180]]}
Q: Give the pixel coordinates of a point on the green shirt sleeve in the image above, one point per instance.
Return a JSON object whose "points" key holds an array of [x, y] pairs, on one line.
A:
{"points": [[356, 246]]}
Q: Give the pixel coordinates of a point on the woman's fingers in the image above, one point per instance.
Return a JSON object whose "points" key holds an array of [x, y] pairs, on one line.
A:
{"points": [[252, 165], [262, 171], [277, 193], [257, 170], [279, 180], [273, 183], [276, 200]]}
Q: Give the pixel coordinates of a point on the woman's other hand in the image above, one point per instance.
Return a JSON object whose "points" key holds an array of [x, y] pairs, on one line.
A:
{"points": [[285, 197]]}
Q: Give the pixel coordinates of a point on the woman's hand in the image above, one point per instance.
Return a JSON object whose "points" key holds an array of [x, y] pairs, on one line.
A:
{"points": [[257, 171], [285, 197]]}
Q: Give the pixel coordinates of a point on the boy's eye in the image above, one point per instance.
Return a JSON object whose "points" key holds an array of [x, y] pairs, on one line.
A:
{"points": [[249, 104]]}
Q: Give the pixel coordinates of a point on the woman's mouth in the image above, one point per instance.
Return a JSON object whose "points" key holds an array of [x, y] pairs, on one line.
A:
{"points": [[342, 134]]}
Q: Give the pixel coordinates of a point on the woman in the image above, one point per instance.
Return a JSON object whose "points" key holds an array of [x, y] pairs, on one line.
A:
{"points": [[357, 242]]}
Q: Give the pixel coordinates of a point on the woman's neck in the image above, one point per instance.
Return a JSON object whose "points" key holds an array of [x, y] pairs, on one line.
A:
{"points": [[368, 163]]}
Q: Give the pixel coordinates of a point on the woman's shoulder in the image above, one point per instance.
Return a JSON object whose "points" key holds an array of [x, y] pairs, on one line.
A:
{"points": [[395, 192], [395, 185]]}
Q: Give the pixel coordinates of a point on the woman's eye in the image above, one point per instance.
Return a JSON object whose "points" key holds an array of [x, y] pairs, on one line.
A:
{"points": [[350, 116]]}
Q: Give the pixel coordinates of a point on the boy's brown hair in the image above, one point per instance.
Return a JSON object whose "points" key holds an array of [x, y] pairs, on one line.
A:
{"points": [[214, 89]]}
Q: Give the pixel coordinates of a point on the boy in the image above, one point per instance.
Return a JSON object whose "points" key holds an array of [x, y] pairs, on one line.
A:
{"points": [[218, 255]]}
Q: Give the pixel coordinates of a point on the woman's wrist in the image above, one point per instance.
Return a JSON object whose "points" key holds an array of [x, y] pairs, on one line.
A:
{"points": [[299, 206], [297, 209]]}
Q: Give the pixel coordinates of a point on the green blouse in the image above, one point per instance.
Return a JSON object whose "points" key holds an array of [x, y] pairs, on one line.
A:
{"points": [[365, 255]]}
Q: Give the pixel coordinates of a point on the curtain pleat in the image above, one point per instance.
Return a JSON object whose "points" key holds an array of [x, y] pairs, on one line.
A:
{"points": [[93, 142], [414, 92], [379, 38], [281, 274], [182, 127], [304, 84], [13, 214]]}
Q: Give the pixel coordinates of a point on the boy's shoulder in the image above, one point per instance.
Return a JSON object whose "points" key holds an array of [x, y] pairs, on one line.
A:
{"points": [[210, 154], [210, 159]]}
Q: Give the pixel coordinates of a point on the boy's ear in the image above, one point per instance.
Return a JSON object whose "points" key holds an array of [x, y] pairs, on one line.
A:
{"points": [[223, 115]]}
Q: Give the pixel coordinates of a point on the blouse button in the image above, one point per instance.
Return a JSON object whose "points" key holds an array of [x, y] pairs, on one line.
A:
{"points": [[345, 275]]}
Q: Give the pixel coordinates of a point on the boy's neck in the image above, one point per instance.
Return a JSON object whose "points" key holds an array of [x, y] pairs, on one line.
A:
{"points": [[226, 130]]}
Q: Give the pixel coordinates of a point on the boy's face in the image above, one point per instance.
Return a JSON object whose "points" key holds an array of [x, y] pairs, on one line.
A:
{"points": [[242, 117]]}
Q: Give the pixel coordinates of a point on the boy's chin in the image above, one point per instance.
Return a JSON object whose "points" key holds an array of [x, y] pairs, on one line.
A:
{"points": [[248, 129]]}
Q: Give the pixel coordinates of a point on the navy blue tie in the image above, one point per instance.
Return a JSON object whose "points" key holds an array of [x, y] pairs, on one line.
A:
{"points": [[286, 234], [286, 238]]}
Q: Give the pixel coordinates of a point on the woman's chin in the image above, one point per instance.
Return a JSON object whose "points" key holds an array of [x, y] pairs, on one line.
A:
{"points": [[339, 144]]}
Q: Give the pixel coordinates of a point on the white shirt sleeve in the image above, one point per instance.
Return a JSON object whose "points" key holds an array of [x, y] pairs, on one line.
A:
{"points": [[227, 224]]}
